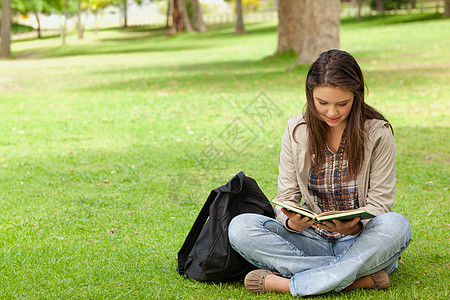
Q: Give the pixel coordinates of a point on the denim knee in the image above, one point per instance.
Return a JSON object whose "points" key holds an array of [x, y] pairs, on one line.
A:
{"points": [[393, 224], [233, 227], [238, 227]]}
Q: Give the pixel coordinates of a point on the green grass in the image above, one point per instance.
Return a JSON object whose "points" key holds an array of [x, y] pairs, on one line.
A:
{"points": [[105, 151], [18, 28]]}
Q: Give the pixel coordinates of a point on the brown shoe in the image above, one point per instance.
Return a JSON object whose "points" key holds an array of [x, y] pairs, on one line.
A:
{"points": [[254, 281], [381, 279]]}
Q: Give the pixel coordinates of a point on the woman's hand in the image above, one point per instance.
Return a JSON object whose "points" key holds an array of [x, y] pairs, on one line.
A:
{"points": [[351, 227], [296, 221]]}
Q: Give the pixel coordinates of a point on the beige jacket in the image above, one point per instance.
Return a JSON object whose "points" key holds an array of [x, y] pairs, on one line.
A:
{"points": [[376, 180]]}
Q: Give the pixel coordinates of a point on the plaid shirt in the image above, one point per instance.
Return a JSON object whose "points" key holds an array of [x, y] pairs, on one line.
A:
{"points": [[331, 189]]}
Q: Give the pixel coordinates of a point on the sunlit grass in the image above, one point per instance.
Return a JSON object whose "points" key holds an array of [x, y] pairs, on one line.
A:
{"points": [[104, 164]]}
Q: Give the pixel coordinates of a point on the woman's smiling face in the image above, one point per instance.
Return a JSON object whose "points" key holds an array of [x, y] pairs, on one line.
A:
{"points": [[333, 105]]}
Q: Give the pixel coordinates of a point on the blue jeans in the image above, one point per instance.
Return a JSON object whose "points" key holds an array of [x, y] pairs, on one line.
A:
{"points": [[315, 264]]}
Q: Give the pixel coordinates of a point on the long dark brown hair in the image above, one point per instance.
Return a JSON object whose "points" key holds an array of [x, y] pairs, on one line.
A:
{"points": [[338, 69]]}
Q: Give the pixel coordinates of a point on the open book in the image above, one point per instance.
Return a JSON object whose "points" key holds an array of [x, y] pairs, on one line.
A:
{"points": [[341, 215]]}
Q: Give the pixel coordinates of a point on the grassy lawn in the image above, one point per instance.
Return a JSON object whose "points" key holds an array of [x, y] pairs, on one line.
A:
{"points": [[110, 146]]}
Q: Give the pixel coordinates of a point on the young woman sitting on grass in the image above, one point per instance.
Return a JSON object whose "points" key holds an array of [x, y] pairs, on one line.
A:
{"points": [[338, 155]]}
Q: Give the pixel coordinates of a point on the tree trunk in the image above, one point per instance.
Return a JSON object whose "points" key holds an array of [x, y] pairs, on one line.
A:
{"points": [[79, 23], [291, 25], [125, 13], [177, 20], [380, 7], [185, 15], [169, 12], [360, 2], [64, 27], [321, 29], [446, 9], [38, 21], [240, 19], [198, 23], [5, 34]]}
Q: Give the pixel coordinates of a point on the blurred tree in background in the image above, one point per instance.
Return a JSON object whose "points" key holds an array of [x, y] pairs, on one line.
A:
{"points": [[238, 6], [180, 17], [197, 16], [308, 27], [446, 9], [34, 7], [5, 30], [239, 18], [182, 12]]}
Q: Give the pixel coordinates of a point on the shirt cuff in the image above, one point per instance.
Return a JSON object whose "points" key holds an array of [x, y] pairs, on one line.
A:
{"points": [[289, 228]]}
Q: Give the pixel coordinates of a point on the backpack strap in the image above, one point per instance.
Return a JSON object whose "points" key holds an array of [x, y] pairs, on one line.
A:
{"points": [[201, 219], [192, 237]]}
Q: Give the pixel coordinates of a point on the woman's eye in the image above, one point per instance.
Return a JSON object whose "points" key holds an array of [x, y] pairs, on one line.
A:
{"points": [[343, 104], [322, 103]]}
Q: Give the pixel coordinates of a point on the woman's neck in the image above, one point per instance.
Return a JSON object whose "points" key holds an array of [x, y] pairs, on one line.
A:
{"points": [[334, 136]]}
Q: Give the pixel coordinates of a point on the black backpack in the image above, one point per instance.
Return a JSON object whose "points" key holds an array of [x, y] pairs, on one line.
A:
{"points": [[206, 254]]}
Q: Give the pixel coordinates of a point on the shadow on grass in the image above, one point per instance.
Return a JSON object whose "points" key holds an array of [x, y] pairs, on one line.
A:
{"points": [[136, 33], [391, 19], [42, 38], [119, 48], [111, 46], [143, 39], [205, 76], [270, 69]]}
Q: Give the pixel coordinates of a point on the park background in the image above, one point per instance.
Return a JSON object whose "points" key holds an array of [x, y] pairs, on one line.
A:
{"points": [[110, 144]]}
